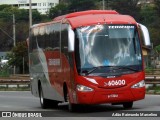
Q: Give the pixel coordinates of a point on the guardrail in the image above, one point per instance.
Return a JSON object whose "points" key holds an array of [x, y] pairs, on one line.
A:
{"points": [[15, 81], [25, 82], [152, 80], [153, 72]]}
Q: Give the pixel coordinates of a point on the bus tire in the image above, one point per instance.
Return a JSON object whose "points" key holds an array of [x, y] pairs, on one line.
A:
{"points": [[53, 103], [128, 105], [43, 101], [71, 106]]}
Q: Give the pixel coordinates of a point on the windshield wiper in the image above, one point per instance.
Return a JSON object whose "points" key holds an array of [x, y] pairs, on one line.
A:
{"points": [[129, 68], [86, 72]]}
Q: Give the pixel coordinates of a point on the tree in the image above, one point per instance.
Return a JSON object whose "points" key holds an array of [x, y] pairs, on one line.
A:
{"points": [[68, 6], [58, 10], [157, 4], [2, 7], [64, 1], [157, 49], [21, 14], [6, 41], [22, 32], [19, 56], [82, 5], [154, 35], [151, 19], [22, 25], [128, 7]]}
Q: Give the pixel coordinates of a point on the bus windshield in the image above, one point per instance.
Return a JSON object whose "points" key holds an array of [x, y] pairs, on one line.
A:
{"points": [[107, 45]]}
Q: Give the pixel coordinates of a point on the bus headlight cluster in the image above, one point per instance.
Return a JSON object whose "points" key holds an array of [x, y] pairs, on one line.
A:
{"points": [[139, 84], [83, 88]]}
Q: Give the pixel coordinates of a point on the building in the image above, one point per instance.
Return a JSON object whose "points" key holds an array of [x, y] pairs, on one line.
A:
{"points": [[41, 6]]}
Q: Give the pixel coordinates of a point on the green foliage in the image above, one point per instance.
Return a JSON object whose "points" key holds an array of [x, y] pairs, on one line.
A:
{"points": [[128, 7], [71, 6], [45, 18], [6, 12], [22, 15], [22, 25], [3, 15], [148, 15], [154, 35], [154, 89], [20, 49], [6, 41], [157, 5], [151, 19], [2, 7], [148, 70], [58, 10], [22, 31], [11, 10], [81, 5], [36, 16], [157, 49], [17, 54], [4, 71]]}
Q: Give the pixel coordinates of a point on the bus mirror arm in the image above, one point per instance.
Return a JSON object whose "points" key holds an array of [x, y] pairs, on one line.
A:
{"points": [[71, 39], [145, 35]]}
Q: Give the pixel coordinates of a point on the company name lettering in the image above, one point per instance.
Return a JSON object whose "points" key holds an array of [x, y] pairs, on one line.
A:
{"points": [[120, 27], [54, 61]]}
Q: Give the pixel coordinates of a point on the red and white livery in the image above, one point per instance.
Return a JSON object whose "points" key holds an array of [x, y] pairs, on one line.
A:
{"points": [[88, 57]]}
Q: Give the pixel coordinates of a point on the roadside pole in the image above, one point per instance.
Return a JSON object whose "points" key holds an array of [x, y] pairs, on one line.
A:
{"points": [[14, 40]]}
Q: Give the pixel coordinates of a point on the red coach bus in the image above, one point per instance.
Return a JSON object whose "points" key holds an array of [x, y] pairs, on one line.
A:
{"points": [[88, 57]]}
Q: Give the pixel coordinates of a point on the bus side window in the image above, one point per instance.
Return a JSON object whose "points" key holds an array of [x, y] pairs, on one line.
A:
{"points": [[33, 42], [54, 40], [40, 41], [64, 39]]}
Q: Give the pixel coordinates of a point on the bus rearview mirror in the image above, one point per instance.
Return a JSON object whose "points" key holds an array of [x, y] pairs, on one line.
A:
{"points": [[71, 39], [145, 35]]}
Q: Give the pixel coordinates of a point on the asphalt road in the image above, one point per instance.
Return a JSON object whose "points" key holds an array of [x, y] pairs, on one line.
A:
{"points": [[24, 101]]}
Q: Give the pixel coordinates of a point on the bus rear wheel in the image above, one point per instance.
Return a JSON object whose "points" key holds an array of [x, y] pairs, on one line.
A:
{"points": [[128, 105], [43, 101], [46, 103]]}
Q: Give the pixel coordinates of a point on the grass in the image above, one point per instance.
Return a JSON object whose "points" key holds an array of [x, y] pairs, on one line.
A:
{"points": [[153, 90], [4, 73], [149, 70]]}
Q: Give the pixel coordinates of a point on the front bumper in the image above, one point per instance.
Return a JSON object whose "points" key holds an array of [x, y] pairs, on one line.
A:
{"points": [[101, 96]]}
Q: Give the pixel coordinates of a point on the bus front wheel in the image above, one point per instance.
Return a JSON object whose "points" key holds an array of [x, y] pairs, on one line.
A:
{"points": [[71, 106]]}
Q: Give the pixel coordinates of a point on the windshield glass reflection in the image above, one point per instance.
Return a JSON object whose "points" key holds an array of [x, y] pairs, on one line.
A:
{"points": [[107, 45]]}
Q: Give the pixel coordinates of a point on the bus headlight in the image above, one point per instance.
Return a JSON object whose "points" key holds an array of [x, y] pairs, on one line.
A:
{"points": [[83, 88], [139, 85]]}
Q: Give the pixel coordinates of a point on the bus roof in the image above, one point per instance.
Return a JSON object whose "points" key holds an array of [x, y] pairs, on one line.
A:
{"points": [[84, 18]]}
